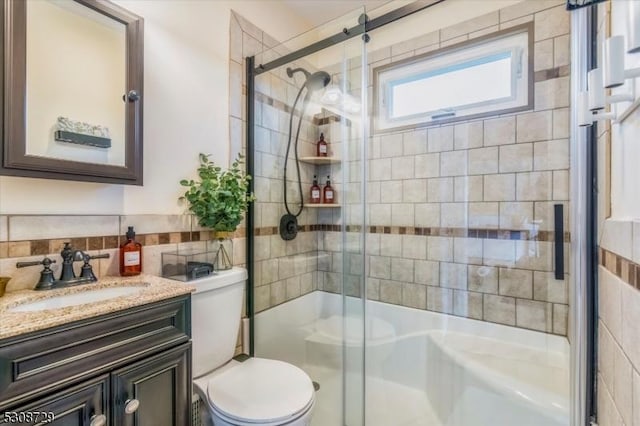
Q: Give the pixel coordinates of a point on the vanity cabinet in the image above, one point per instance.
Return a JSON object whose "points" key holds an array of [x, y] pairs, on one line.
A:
{"points": [[131, 367]]}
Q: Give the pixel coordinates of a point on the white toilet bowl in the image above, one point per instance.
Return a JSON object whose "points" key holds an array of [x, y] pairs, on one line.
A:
{"points": [[257, 392]]}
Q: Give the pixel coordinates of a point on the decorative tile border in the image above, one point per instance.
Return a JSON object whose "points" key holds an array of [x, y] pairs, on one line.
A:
{"points": [[623, 268], [44, 247]]}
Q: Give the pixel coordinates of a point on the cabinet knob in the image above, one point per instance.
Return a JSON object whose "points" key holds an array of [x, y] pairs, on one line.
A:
{"points": [[98, 420], [131, 405]]}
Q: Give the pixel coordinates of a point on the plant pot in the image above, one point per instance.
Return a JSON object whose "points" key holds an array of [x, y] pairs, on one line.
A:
{"points": [[222, 247]]}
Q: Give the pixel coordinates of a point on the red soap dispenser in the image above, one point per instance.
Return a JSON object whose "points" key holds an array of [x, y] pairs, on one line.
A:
{"points": [[322, 147], [315, 191], [130, 255], [329, 194]]}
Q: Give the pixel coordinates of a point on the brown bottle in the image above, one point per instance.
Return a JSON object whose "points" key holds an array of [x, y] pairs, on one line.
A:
{"points": [[315, 191], [329, 195], [322, 148], [130, 255]]}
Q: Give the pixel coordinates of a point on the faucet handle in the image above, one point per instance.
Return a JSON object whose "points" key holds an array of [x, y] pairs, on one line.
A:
{"points": [[87, 270], [46, 275]]}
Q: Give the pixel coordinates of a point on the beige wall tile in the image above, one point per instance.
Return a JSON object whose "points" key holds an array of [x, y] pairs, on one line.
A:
{"points": [[4, 228], [561, 123], [606, 349], [526, 8], [402, 269], [534, 126], [631, 323], [380, 214], [467, 250], [500, 187], [391, 145], [402, 215], [617, 236], [499, 252], [607, 412], [534, 186], [500, 131], [278, 292], [535, 255], [391, 292], [440, 299], [483, 279], [515, 215], [483, 215], [391, 191], [427, 215], [547, 289], [415, 142], [414, 191], [391, 245], [380, 169], [636, 399], [561, 185], [552, 93], [470, 25], [453, 163], [427, 165], [516, 283], [380, 267], [552, 22], [440, 139], [534, 315], [440, 190], [560, 319], [543, 55], [551, 155], [440, 248], [467, 304], [414, 295], [427, 272], [468, 188], [414, 247], [483, 161], [516, 158], [623, 384], [453, 275], [500, 309], [468, 135], [561, 51], [416, 43], [454, 215]]}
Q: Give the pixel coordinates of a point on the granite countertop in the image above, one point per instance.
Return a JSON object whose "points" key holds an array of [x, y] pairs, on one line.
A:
{"points": [[152, 289]]}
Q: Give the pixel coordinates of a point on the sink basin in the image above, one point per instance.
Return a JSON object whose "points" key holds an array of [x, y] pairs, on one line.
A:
{"points": [[76, 299]]}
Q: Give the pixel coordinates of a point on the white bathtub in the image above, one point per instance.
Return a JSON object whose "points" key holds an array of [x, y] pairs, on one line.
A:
{"points": [[422, 368]]}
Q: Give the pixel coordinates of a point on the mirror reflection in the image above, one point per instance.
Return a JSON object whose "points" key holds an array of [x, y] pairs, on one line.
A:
{"points": [[75, 81]]}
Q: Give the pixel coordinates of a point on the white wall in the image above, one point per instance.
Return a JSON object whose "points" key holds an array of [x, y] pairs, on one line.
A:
{"points": [[186, 108], [625, 145]]}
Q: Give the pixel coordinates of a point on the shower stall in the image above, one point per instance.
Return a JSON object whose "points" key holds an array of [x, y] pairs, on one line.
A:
{"points": [[437, 286]]}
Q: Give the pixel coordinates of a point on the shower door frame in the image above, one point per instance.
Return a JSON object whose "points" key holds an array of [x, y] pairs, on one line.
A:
{"points": [[583, 309]]}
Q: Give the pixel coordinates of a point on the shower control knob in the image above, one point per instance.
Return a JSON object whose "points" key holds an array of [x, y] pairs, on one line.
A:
{"points": [[131, 406]]}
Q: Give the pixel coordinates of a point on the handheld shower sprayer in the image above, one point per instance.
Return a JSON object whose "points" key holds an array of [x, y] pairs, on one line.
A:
{"points": [[313, 82]]}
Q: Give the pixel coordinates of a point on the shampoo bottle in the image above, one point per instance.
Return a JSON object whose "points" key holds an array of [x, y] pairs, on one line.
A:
{"points": [[315, 191], [130, 255], [322, 147], [329, 195]]}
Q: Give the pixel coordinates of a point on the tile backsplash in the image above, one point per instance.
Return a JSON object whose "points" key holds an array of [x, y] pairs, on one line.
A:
{"points": [[30, 237]]}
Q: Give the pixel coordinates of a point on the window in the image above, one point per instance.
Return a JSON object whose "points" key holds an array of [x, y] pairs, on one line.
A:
{"points": [[486, 76]]}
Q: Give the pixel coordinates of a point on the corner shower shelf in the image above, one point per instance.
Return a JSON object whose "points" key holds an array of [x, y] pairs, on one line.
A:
{"points": [[322, 206], [320, 160]]}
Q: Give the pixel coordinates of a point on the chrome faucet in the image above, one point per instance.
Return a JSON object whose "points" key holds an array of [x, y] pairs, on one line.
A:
{"points": [[67, 276]]}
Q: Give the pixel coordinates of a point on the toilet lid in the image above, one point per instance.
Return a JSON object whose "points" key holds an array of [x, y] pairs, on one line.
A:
{"points": [[260, 391]]}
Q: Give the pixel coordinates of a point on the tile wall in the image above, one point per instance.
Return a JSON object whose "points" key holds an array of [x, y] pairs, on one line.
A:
{"points": [[618, 355], [460, 217]]}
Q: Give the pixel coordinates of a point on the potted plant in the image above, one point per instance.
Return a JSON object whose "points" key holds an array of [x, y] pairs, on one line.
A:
{"points": [[219, 200]]}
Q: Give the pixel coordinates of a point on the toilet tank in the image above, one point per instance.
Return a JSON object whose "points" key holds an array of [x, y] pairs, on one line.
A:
{"points": [[216, 306]]}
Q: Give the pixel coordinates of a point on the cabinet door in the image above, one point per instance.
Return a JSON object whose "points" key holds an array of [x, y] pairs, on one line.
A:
{"points": [[81, 405], [155, 391]]}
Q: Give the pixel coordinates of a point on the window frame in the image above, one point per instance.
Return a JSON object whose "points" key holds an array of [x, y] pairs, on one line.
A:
{"points": [[526, 28]]}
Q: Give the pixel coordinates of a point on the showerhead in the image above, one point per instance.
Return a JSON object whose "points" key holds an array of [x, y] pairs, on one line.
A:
{"points": [[316, 81]]}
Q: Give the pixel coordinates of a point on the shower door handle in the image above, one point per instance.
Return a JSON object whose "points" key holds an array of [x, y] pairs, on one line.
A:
{"points": [[558, 240]]}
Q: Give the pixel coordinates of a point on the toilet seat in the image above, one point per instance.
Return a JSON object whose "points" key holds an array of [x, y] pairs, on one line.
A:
{"points": [[261, 392]]}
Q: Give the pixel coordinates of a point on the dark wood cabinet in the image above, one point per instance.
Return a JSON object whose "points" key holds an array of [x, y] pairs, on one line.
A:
{"points": [[129, 368], [154, 392]]}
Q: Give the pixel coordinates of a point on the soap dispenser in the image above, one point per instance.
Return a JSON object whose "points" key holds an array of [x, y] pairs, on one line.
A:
{"points": [[130, 255], [315, 191], [329, 194], [322, 148]]}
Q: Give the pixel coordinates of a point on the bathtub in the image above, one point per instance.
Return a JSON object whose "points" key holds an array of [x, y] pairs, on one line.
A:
{"points": [[422, 368]]}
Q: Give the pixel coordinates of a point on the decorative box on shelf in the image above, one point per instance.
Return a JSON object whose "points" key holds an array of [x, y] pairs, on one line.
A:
{"points": [[187, 265]]}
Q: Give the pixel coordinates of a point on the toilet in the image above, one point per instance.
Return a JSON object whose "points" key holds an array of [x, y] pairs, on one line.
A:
{"points": [[253, 392]]}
